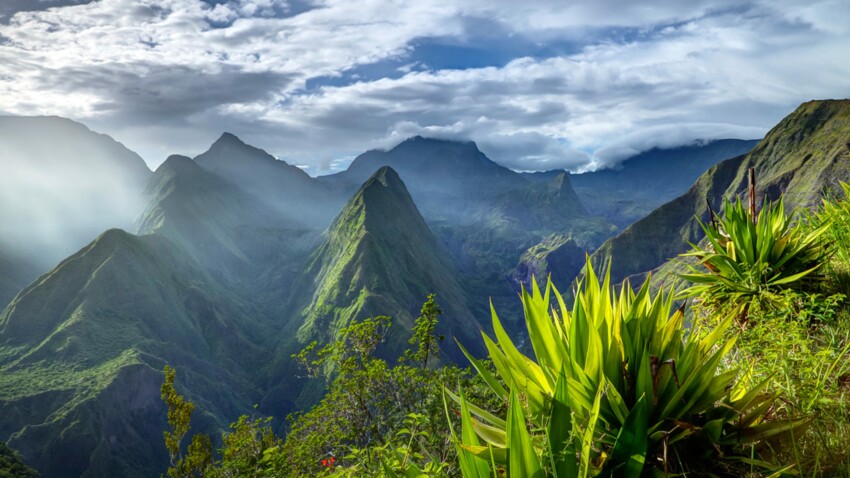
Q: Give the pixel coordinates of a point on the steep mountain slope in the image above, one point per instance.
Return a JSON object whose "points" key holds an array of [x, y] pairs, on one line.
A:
{"points": [[17, 273], [805, 154], [485, 214], [82, 348], [243, 242], [289, 190], [62, 185], [646, 181], [558, 255], [380, 258], [447, 179]]}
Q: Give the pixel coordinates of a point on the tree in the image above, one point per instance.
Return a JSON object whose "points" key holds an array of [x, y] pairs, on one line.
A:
{"points": [[199, 453], [424, 332], [376, 416]]}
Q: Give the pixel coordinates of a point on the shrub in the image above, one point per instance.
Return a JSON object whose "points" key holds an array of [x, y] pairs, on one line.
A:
{"points": [[617, 387], [750, 259]]}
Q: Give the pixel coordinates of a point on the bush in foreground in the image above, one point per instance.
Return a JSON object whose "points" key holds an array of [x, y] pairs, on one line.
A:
{"points": [[617, 387]]}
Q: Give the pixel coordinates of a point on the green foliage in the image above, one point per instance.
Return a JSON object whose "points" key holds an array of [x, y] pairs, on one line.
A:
{"points": [[618, 388], [377, 419], [835, 214], [11, 465], [250, 449], [352, 351], [751, 259], [405, 454], [424, 333], [798, 343], [199, 452]]}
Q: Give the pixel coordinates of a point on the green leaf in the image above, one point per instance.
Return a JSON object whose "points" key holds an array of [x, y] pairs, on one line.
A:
{"points": [[562, 450], [522, 458], [629, 455]]}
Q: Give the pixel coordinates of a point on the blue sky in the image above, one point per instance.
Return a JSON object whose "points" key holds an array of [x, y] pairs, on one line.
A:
{"points": [[537, 84]]}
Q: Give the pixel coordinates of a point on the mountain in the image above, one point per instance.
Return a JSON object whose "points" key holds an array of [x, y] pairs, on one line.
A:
{"points": [[643, 182], [240, 260], [245, 243], [486, 215], [286, 188], [62, 185], [558, 255], [17, 273], [447, 179], [806, 154], [460, 164], [380, 258], [82, 349]]}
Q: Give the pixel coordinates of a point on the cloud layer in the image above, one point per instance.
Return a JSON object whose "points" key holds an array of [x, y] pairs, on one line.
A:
{"points": [[537, 84]]}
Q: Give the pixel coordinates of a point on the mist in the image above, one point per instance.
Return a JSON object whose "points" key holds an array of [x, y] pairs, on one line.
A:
{"points": [[61, 186]]}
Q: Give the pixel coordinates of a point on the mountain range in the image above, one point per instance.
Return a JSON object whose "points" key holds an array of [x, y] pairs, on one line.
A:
{"points": [[233, 260]]}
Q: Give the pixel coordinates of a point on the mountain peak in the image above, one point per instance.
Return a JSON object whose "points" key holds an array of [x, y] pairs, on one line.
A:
{"points": [[228, 138], [229, 143], [178, 164], [420, 141], [229, 152], [380, 255], [387, 177]]}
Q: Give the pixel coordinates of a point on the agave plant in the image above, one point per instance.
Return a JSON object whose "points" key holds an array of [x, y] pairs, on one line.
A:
{"points": [[749, 258], [616, 387]]}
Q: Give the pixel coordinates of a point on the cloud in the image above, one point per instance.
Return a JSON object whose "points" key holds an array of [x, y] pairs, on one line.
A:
{"points": [[669, 136], [574, 85]]}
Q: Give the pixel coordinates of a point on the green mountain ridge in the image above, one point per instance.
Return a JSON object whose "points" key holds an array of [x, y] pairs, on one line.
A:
{"points": [[379, 258], [803, 156], [81, 351]]}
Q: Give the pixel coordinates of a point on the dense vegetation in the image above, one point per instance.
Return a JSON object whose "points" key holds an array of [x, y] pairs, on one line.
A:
{"points": [[11, 465], [619, 384]]}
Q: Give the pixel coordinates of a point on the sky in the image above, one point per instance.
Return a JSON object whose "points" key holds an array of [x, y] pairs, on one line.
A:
{"points": [[538, 84]]}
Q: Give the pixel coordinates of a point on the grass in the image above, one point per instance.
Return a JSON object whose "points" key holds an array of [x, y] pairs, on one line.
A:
{"points": [[801, 342]]}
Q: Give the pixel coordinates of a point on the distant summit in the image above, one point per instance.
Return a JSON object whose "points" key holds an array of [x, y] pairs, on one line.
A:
{"points": [[648, 180], [230, 155], [278, 184], [440, 160]]}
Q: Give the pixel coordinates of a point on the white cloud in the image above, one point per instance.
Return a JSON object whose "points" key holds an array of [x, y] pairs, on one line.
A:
{"points": [[168, 75]]}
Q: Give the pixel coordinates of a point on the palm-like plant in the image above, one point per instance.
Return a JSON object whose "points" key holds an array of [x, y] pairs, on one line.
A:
{"points": [[617, 387], [748, 258]]}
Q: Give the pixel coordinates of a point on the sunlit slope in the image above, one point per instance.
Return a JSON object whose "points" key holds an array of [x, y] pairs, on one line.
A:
{"points": [[380, 258], [806, 154], [81, 351]]}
